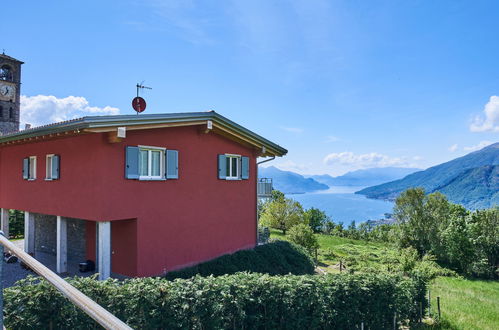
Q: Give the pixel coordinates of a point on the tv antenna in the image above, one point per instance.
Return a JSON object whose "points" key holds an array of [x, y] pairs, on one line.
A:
{"points": [[138, 103]]}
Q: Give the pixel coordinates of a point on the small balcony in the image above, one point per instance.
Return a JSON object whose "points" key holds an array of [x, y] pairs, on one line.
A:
{"points": [[264, 188]]}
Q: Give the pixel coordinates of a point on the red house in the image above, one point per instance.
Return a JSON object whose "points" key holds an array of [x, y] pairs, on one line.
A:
{"points": [[141, 195]]}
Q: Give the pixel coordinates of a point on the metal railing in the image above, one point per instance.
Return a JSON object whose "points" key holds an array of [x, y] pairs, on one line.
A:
{"points": [[87, 305], [264, 187]]}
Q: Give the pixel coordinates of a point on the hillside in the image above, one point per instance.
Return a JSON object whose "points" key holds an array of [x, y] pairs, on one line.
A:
{"points": [[452, 178], [366, 177], [476, 188], [289, 182]]}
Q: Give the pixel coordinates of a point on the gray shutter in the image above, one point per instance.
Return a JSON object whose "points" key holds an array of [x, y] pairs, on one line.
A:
{"points": [[171, 164], [55, 167], [222, 167], [132, 163], [26, 168], [245, 168]]}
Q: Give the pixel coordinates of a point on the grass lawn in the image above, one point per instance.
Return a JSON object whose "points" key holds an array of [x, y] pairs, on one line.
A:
{"points": [[466, 304], [355, 255]]}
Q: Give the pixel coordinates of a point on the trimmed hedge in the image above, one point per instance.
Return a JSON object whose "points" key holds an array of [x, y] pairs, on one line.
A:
{"points": [[276, 258], [243, 300]]}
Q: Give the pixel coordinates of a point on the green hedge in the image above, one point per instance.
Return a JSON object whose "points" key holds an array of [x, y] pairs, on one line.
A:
{"points": [[276, 258], [243, 300]]}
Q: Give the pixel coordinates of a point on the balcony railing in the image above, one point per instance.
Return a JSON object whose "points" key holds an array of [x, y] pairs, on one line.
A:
{"points": [[264, 188]]}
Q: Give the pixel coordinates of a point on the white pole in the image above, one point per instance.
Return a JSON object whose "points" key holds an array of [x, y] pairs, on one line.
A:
{"points": [[29, 232], [62, 245], [104, 247]]}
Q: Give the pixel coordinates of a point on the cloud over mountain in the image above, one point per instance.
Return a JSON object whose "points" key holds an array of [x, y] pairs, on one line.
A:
{"points": [[489, 120], [372, 159]]}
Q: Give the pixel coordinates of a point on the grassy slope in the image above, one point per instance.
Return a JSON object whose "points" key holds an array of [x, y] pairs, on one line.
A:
{"points": [[466, 304], [356, 255]]}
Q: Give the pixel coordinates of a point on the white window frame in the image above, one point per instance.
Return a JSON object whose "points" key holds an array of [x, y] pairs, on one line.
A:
{"points": [[150, 177], [32, 168], [49, 175], [230, 175]]}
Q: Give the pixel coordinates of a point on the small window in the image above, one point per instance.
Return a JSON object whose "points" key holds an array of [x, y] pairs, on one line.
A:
{"points": [[11, 113], [52, 167], [6, 72], [29, 168], [151, 163], [233, 163]]}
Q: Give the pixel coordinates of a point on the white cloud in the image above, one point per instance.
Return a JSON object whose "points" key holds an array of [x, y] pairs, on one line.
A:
{"points": [[372, 159], [489, 121], [479, 146], [45, 109], [453, 147], [293, 129], [331, 138]]}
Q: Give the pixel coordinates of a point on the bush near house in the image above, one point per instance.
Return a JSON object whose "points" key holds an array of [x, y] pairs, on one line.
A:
{"points": [[276, 258], [243, 300]]}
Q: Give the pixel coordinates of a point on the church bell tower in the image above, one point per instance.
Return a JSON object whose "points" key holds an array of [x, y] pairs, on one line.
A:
{"points": [[10, 93]]}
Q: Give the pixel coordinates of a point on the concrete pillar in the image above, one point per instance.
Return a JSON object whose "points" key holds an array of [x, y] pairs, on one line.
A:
{"points": [[29, 232], [104, 249], [4, 219], [62, 245]]}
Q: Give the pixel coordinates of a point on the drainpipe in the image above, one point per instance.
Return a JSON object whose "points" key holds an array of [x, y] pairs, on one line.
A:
{"points": [[266, 160]]}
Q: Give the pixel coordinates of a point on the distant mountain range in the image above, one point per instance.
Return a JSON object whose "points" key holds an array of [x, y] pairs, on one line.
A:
{"points": [[290, 182], [366, 177], [293, 183], [471, 180]]}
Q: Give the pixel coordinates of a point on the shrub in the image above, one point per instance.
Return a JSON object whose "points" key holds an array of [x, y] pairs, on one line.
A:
{"points": [[276, 258], [303, 235], [250, 301]]}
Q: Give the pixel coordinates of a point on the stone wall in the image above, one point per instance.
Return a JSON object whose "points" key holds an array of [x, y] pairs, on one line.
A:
{"points": [[46, 236]]}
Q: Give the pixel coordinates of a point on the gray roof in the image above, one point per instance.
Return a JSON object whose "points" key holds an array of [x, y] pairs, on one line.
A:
{"points": [[10, 58], [94, 122]]}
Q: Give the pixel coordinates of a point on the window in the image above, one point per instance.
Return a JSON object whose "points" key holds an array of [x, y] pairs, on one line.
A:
{"points": [[6, 73], [52, 167], [150, 163], [29, 168], [233, 167], [11, 113]]}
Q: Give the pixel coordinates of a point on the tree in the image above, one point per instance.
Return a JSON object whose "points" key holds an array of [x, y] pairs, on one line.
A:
{"points": [[282, 213], [484, 234], [422, 218], [303, 235], [316, 219]]}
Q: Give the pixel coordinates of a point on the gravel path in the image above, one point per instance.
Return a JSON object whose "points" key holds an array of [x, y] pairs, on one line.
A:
{"points": [[14, 272]]}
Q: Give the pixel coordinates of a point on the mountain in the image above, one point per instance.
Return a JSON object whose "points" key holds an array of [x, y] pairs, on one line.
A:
{"points": [[453, 177], [289, 182], [476, 188], [366, 177]]}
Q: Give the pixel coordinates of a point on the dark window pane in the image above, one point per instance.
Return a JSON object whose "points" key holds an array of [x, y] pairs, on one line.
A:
{"points": [[234, 166]]}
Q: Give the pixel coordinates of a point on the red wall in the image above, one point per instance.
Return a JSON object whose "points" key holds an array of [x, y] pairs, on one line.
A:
{"points": [[178, 222]]}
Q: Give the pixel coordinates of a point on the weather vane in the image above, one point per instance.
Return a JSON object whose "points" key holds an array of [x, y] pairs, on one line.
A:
{"points": [[138, 103]]}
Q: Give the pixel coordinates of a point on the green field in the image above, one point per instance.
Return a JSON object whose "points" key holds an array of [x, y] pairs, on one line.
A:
{"points": [[465, 304]]}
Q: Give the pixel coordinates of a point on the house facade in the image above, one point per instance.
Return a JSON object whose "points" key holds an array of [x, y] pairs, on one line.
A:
{"points": [[141, 195]]}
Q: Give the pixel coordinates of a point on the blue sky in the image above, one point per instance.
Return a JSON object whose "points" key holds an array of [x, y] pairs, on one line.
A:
{"points": [[342, 85]]}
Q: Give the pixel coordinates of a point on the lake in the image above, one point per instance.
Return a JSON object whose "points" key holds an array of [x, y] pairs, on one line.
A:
{"points": [[342, 205]]}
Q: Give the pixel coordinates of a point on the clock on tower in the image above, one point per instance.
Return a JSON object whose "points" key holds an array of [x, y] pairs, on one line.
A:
{"points": [[10, 83]]}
